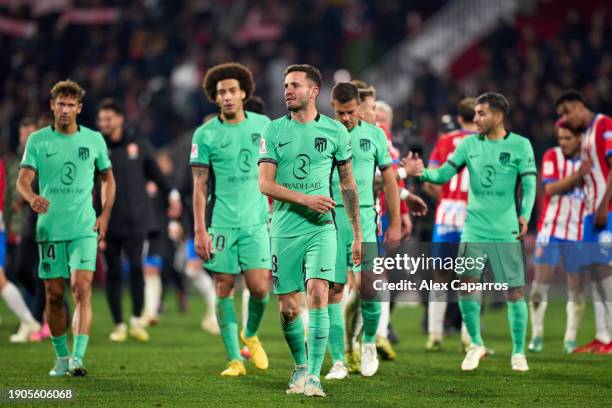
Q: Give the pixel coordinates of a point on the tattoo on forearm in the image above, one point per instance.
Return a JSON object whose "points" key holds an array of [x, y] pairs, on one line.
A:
{"points": [[345, 170], [349, 197]]}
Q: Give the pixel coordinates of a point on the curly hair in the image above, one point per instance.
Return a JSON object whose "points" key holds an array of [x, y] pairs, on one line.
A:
{"points": [[230, 70], [68, 88]]}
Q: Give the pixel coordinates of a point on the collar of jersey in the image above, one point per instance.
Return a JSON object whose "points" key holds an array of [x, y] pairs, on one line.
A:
{"points": [[232, 124], [78, 130], [316, 119]]}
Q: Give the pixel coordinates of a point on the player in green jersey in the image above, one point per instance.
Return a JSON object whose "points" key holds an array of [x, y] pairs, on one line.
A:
{"points": [[65, 157], [496, 159], [369, 146], [230, 213], [298, 154]]}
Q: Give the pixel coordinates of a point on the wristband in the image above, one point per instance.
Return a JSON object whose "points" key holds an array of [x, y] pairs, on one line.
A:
{"points": [[401, 172]]}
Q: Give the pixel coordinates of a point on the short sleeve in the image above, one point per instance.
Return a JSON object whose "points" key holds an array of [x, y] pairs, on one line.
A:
{"points": [[200, 155], [383, 158], [343, 151], [459, 157], [103, 162], [30, 155], [606, 131], [268, 145], [527, 166], [550, 170]]}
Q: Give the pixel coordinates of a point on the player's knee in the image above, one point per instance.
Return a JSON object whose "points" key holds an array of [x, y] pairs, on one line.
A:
{"points": [[259, 291], [223, 288], [55, 298], [317, 296], [289, 313], [81, 291], [514, 294]]}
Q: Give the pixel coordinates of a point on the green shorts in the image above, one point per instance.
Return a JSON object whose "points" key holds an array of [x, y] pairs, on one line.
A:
{"points": [[59, 258], [239, 249], [505, 259], [344, 256], [295, 260]]}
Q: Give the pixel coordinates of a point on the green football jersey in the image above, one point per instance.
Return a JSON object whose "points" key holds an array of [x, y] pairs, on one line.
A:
{"points": [[495, 169], [230, 151], [66, 165], [304, 154], [370, 150]]}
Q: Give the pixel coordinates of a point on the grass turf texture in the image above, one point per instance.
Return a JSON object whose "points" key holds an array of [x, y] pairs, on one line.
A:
{"points": [[180, 366]]}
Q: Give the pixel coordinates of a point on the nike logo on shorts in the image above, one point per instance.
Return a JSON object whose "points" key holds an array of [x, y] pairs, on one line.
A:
{"points": [[51, 154], [326, 270]]}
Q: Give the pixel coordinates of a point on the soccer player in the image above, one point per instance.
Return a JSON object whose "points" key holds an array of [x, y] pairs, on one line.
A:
{"points": [[496, 159], [369, 151], [231, 230], [596, 132], [449, 219], [66, 157], [559, 231], [298, 153]]}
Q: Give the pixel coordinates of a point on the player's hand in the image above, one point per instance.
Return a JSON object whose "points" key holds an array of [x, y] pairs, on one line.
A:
{"points": [[393, 233], [101, 226], [203, 245], [413, 164], [585, 166], [601, 216], [416, 204], [319, 203], [523, 228], [175, 208], [39, 204], [356, 250]]}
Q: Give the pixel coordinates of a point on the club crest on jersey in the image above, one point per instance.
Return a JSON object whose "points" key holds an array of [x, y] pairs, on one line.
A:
{"points": [[255, 138], [83, 153], [365, 145], [320, 144], [132, 151], [504, 158]]}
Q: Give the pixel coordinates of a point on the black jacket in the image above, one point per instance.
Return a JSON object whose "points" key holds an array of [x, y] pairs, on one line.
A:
{"points": [[133, 163]]}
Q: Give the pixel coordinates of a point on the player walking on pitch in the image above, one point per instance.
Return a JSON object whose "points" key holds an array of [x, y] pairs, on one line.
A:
{"points": [[66, 156], [298, 152], [496, 159], [231, 231]]}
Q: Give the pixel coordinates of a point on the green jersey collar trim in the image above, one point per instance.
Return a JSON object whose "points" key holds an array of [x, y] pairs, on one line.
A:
{"points": [[221, 119], [316, 119], [53, 128]]}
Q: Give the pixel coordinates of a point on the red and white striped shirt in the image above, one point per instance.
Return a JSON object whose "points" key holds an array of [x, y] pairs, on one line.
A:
{"points": [[597, 145], [563, 213], [452, 207]]}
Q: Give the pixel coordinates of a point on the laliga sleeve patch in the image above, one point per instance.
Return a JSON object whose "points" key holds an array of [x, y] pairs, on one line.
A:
{"points": [[194, 151], [262, 146], [548, 168]]}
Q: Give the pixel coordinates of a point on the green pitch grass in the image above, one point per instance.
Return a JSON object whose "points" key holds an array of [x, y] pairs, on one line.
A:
{"points": [[180, 367]]}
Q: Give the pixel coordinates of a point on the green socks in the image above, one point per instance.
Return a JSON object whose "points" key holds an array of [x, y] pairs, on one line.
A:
{"points": [[370, 313], [60, 344], [80, 345], [226, 316], [470, 312], [517, 318], [294, 335], [336, 331], [318, 331], [256, 311]]}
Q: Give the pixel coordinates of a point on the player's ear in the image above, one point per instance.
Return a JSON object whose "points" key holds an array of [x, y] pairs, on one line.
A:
{"points": [[243, 95], [79, 107]]}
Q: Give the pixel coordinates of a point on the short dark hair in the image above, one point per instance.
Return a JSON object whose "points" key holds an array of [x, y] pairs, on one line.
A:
{"points": [[569, 95], [496, 101], [111, 104], [255, 104], [312, 73], [27, 121], [345, 92], [68, 88], [229, 70], [465, 109]]}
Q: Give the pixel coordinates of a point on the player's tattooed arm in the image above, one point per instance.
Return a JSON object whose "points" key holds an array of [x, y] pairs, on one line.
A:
{"points": [[269, 187], [202, 242], [392, 199], [107, 191], [350, 197], [39, 204]]}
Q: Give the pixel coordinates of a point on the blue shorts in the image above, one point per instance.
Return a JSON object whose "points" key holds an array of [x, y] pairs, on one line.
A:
{"points": [[190, 250], [600, 251], [445, 241], [2, 249], [571, 252], [154, 260]]}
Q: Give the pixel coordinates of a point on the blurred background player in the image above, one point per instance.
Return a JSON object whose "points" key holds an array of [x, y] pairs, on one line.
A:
{"points": [[298, 152], [559, 234], [229, 239], [66, 157], [369, 147], [596, 132], [133, 164], [497, 160], [449, 219]]}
